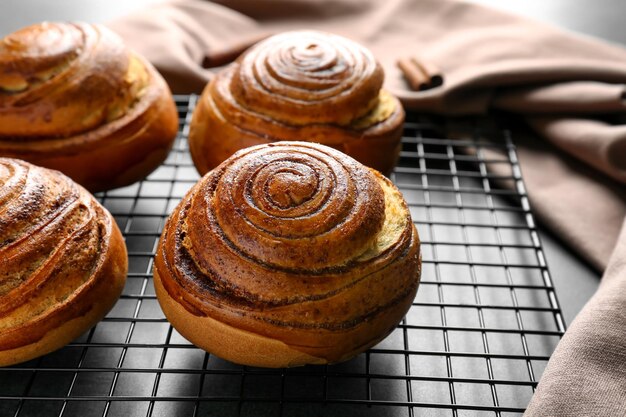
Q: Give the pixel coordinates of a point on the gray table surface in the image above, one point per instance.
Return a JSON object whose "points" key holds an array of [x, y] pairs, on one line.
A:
{"points": [[575, 281]]}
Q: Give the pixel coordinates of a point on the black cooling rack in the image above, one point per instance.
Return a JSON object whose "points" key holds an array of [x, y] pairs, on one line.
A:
{"points": [[474, 343]]}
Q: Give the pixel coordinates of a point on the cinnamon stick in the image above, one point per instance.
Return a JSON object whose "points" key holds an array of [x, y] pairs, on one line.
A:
{"points": [[421, 75]]}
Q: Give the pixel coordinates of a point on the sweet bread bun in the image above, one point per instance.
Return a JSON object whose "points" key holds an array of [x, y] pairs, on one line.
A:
{"points": [[74, 98], [62, 261], [288, 254], [297, 85]]}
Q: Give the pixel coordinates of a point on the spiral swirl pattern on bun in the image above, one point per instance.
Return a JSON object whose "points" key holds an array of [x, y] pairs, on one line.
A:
{"points": [[296, 85], [62, 261], [308, 77], [73, 97], [287, 254]]}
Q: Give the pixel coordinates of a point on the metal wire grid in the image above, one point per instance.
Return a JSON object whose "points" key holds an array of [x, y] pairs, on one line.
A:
{"points": [[475, 341]]}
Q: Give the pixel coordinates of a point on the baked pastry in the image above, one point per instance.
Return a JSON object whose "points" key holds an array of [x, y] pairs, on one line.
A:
{"points": [[74, 98], [287, 254], [303, 85], [62, 261]]}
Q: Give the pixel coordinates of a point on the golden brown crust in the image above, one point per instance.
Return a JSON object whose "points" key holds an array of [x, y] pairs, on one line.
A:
{"points": [[238, 345], [63, 261], [303, 85], [313, 257], [74, 98]]}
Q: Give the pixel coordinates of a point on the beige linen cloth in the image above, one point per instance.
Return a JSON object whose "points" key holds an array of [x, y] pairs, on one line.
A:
{"points": [[570, 89]]}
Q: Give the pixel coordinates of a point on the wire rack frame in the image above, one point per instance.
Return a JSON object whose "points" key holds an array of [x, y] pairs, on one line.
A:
{"points": [[475, 341]]}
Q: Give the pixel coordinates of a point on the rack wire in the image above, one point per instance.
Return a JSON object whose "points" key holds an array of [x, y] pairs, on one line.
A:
{"points": [[475, 341]]}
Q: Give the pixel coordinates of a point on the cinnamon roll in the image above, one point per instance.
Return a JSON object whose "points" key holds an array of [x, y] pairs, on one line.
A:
{"points": [[74, 98], [302, 85], [287, 254], [62, 261]]}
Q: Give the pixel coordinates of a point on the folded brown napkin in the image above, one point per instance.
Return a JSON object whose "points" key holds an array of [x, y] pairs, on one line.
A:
{"points": [[586, 375], [568, 87]]}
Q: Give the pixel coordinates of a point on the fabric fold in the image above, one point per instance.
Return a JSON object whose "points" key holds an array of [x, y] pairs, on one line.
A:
{"points": [[586, 375], [175, 37], [597, 143], [574, 97]]}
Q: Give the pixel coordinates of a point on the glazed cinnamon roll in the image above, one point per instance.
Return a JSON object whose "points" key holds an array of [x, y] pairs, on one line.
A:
{"points": [[73, 97], [287, 254], [304, 85], [62, 261]]}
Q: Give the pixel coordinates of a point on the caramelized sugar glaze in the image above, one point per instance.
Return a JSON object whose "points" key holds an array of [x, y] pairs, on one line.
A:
{"points": [[73, 97], [305, 84], [291, 242], [62, 261]]}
